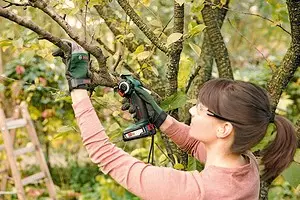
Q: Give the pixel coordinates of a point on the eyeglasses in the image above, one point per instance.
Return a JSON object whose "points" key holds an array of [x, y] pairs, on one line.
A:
{"points": [[213, 114]]}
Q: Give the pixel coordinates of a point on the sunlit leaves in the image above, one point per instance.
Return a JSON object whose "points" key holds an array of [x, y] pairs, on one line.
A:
{"points": [[174, 37], [193, 31], [195, 48], [143, 55], [297, 156], [174, 101], [185, 66], [290, 174], [269, 137]]}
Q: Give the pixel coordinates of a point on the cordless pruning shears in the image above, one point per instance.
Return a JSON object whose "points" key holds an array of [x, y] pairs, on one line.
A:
{"points": [[142, 127]]}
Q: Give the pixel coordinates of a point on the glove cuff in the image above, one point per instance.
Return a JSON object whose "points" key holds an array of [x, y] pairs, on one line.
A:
{"points": [[79, 84], [160, 119]]}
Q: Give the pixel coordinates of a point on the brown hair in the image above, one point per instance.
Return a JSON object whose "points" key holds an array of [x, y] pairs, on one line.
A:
{"points": [[247, 106]]}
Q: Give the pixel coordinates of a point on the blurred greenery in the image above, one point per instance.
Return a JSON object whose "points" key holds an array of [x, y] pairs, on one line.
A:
{"points": [[256, 46]]}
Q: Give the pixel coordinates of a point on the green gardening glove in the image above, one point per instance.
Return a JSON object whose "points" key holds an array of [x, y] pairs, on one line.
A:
{"points": [[156, 115], [77, 65]]}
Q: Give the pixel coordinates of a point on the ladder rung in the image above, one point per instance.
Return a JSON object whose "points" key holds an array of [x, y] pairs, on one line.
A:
{"points": [[24, 150], [7, 192], [33, 178], [2, 147], [17, 123]]}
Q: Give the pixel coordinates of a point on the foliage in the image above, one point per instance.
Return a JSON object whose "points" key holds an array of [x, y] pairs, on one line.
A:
{"points": [[36, 77]]}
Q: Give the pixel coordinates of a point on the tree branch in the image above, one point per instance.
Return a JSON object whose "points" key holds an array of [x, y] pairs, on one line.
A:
{"points": [[172, 76], [99, 76], [206, 58], [251, 14], [285, 72], [142, 25], [35, 28], [220, 51], [107, 15], [291, 60], [175, 50], [113, 23]]}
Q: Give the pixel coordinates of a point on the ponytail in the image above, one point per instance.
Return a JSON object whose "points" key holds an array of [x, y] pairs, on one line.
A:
{"points": [[280, 153]]}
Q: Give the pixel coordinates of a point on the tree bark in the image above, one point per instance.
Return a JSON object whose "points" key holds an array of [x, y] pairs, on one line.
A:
{"points": [[172, 77], [202, 72], [216, 39], [291, 60], [142, 25], [285, 72]]}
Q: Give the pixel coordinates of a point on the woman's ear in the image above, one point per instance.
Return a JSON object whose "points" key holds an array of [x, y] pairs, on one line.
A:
{"points": [[224, 130]]}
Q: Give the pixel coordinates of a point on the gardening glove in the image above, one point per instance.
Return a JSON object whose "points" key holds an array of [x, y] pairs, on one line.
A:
{"points": [[77, 65], [156, 115]]}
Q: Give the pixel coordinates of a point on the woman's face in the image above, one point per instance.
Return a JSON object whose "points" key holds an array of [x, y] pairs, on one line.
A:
{"points": [[203, 127]]}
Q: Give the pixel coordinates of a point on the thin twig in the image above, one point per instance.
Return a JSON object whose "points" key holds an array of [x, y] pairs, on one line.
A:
{"points": [[105, 46], [165, 153], [84, 21], [265, 58], [251, 14], [117, 62], [142, 25], [150, 11], [15, 4]]}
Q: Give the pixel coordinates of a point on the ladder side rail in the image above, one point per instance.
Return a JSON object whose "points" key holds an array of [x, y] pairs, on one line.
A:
{"points": [[12, 133], [10, 155], [39, 153]]}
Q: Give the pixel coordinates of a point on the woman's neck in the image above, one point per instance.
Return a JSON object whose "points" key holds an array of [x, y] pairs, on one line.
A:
{"points": [[219, 156]]}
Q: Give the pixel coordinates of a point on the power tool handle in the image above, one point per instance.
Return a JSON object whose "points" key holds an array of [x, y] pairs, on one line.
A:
{"points": [[140, 106]]}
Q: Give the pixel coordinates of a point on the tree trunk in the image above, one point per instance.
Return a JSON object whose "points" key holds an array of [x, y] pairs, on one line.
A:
{"points": [[216, 40], [172, 76], [202, 72], [285, 72]]}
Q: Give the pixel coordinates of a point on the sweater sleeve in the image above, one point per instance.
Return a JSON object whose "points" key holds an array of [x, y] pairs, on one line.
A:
{"points": [[144, 180], [179, 133]]}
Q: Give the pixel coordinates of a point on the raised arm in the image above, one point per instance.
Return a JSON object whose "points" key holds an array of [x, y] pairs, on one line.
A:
{"points": [[179, 134], [143, 180]]}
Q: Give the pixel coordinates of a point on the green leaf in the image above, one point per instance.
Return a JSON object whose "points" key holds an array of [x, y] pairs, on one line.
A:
{"points": [[178, 166], [64, 129], [174, 101], [291, 174], [162, 159], [4, 43], [180, 2], [223, 2], [155, 23], [269, 137], [139, 151], [297, 156], [115, 126], [144, 55], [60, 135], [18, 43], [155, 71], [195, 48], [196, 30], [139, 49], [174, 37], [194, 164]]}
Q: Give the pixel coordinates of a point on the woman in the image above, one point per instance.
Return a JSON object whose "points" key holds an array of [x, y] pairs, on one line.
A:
{"points": [[220, 140], [229, 119]]}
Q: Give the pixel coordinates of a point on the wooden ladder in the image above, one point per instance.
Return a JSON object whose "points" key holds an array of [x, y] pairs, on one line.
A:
{"points": [[8, 128]]}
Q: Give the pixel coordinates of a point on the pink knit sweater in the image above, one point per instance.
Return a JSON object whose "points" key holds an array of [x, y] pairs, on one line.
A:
{"points": [[155, 183]]}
